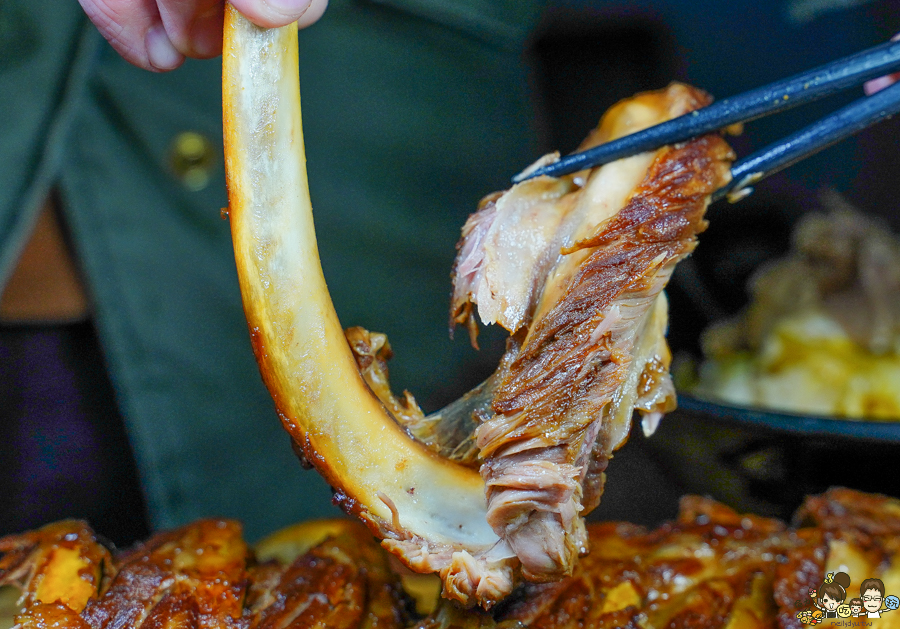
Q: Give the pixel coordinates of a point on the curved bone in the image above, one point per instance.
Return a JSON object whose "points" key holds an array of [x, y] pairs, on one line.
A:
{"points": [[398, 486]]}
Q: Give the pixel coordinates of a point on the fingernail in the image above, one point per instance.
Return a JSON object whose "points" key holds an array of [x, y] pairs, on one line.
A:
{"points": [[206, 34], [876, 85], [160, 51], [289, 8]]}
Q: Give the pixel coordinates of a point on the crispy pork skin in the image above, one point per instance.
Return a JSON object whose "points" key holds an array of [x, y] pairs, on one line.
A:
{"points": [[328, 574], [712, 568]]}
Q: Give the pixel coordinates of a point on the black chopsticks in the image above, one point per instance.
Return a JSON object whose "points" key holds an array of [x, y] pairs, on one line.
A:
{"points": [[779, 96], [818, 136]]}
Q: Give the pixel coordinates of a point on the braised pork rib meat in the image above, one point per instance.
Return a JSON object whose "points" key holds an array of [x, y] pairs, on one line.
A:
{"points": [[495, 486], [587, 314]]}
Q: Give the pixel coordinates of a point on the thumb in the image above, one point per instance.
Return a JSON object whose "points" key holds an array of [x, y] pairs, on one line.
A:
{"points": [[273, 13]]}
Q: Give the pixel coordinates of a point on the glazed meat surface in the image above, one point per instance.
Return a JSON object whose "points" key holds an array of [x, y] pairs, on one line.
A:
{"points": [[494, 487], [574, 268], [712, 568], [326, 574]]}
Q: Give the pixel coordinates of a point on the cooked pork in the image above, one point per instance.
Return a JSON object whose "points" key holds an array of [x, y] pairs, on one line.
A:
{"points": [[326, 574], [583, 298], [62, 562], [574, 268], [711, 569], [495, 486]]}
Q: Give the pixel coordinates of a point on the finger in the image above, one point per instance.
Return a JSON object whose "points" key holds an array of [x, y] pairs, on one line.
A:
{"points": [[272, 13], [882, 82], [135, 29], [313, 13], [194, 26]]}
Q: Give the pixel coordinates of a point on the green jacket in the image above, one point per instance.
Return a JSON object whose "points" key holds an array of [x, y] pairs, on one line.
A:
{"points": [[414, 110]]}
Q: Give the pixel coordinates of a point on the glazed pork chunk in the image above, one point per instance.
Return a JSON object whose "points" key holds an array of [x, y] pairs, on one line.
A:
{"points": [[574, 268]]}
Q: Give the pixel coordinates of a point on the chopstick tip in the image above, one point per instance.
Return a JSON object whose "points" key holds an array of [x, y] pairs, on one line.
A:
{"points": [[539, 167]]}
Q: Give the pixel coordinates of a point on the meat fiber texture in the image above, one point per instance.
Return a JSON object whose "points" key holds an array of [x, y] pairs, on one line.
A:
{"points": [[574, 268]]}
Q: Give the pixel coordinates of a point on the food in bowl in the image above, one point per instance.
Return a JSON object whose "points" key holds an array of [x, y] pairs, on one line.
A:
{"points": [[821, 335]]}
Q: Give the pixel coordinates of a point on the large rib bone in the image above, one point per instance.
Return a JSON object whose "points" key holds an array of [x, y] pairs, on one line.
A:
{"points": [[402, 490]]}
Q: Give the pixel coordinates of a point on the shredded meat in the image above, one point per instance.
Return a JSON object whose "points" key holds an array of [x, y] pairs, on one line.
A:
{"points": [[506, 249], [583, 280]]}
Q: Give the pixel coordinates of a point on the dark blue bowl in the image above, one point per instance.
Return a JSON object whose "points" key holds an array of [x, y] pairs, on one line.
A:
{"points": [[781, 422], [765, 462]]}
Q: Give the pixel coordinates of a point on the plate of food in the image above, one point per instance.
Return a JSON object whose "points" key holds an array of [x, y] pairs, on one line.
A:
{"points": [[485, 498]]}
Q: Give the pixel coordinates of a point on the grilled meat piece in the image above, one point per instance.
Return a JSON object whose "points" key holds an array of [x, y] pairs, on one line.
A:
{"points": [[586, 304], [328, 574], [712, 568], [61, 563], [573, 267], [716, 568]]}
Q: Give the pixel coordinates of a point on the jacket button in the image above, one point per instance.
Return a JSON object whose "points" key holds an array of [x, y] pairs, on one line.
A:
{"points": [[192, 160]]}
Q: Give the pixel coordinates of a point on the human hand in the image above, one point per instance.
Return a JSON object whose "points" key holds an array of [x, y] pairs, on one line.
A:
{"points": [[883, 81], [157, 35]]}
